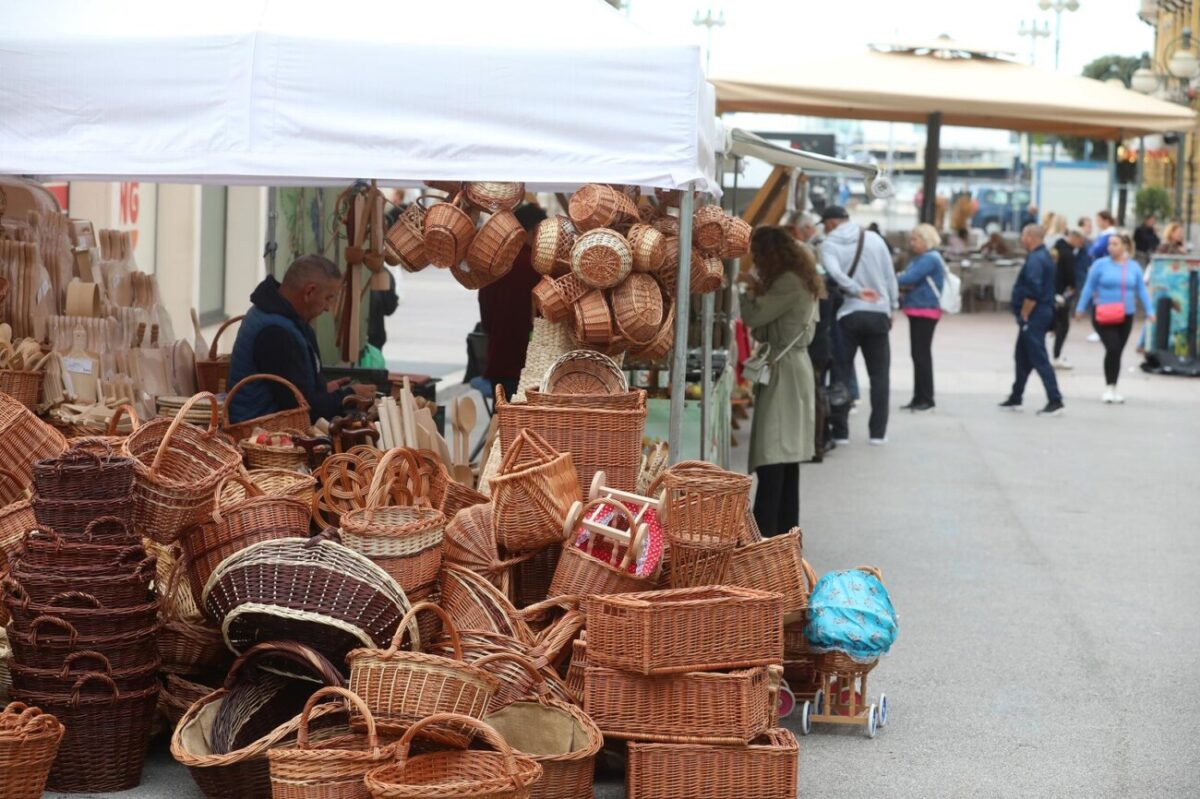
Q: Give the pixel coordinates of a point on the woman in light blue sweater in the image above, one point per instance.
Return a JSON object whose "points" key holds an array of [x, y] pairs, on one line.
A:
{"points": [[1112, 281]]}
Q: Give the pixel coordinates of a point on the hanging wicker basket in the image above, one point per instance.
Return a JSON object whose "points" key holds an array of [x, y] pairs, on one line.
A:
{"points": [[708, 229], [554, 297], [737, 237], [593, 319], [491, 196], [406, 237], [648, 246], [638, 308], [552, 243], [448, 233], [496, 245], [601, 258], [598, 206], [708, 274]]}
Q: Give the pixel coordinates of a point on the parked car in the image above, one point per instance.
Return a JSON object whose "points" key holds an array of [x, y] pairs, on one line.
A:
{"points": [[1000, 205]]}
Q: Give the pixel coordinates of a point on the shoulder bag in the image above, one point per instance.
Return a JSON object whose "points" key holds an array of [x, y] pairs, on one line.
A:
{"points": [[950, 298], [1113, 313]]}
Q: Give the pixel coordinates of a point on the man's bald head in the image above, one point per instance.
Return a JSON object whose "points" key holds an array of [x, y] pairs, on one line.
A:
{"points": [[311, 285], [1032, 236]]}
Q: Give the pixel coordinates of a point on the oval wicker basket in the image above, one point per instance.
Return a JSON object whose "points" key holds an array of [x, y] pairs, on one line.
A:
{"points": [[638, 308], [448, 233], [659, 346], [601, 258], [494, 196], [584, 372], [708, 229], [593, 320], [407, 237], [648, 246], [554, 297], [292, 419], [552, 243], [737, 237], [496, 245], [666, 224], [598, 206], [708, 273]]}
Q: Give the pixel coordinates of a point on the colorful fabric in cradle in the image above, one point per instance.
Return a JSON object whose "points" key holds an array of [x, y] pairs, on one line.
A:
{"points": [[650, 556], [850, 612]]}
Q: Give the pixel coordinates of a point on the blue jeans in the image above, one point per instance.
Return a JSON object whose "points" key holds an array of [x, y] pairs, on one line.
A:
{"points": [[1031, 354]]}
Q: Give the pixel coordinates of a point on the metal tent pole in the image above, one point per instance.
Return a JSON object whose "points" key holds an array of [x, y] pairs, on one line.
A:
{"points": [[683, 298], [272, 246]]}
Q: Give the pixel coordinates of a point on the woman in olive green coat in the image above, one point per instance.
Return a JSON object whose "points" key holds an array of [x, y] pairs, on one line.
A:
{"points": [[781, 310]]}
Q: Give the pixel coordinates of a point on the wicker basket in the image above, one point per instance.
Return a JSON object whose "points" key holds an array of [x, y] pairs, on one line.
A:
{"points": [[717, 708], [736, 243], [577, 667], [496, 245], [404, 541], [470, 542], [402, 687], [529, 580], [187, 642], [638, 309], [476, 604], [554, 297], [494, 653], [177, 695], [648, 247], [87, 470], [494, 197], [73, 517], [29, 741], [271, 456], [24, 439], [776, 565], [708, 229], [581, 574], [212, 373], [444, 492], [552, 243], [448, 233], [235, 526], [46, 549], [272, 482], [666, 224], [766, 768], [461, 774], [584, 372], [315, 591], [284, 421], [704, 504], [623, 401], [121, 586], [50, 640], [696, 565], [664, 340], [601, 258], [177, 468], [82, 611], [23, 386], [450, 187], [531, 494], [406, 237], [553, 733], [707, 275], [333, 768], [598, 206], [76, 664], [593, 322]]}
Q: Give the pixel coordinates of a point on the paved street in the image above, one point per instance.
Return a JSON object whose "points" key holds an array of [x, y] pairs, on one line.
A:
{"points": [[1045, 575]]}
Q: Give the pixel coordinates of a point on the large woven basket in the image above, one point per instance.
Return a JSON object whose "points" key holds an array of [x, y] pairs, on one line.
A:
{"points": [[406, 237], [638, 308], [316, 591], [777, 565], [455, 774], [178, 468], [766, 768], [448, 233], [705, 505], [554, 297], [29, 741], [476, 604], [552, 243], [292, 419], [601, 258], [24, 438], [212, 373], [593, 323], [495, 247], [708, 229], [648, 246], [492, 196], [531, 494], [596, 205]]}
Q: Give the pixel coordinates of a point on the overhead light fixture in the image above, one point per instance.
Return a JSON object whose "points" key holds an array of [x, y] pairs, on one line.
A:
{"points": [[1144, 80], [1184, 64]]}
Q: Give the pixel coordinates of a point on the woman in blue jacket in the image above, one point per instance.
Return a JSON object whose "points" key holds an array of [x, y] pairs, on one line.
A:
{"points": [[1115, 280], [921, 304]]}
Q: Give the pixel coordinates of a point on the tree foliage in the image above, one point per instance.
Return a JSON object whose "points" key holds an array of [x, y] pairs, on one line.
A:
{"points": [[1101, 69]]}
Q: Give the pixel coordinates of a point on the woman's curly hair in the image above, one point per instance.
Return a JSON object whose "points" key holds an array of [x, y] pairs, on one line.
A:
{"points": [[775, 251]]}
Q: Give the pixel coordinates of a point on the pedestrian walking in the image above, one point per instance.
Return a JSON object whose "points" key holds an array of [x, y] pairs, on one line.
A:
{"points": [[1114, 287], [1033, 306], [1105, 225], [1172, 241], [861, 265], [1063, 253], [1145, 240], [921, 285], [781, 310]]}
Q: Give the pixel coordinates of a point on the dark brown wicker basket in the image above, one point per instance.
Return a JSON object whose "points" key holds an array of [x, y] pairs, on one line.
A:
{"points": [[90, 469], [39, 649]]}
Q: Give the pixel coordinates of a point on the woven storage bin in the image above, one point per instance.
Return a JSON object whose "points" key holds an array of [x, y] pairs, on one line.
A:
{"points": [[82, 611], [494, 197], [476, 604], [315, 591], [448, 233], [598, 206], [708, 229], [552, 243], [283, 421], [736, 242], [668, 198], [232, 528], [495, 246], [699, 707], [46, 549], [695, 565], [777, 565], [402, 687], [23, 386], [648, 247], [601, 258], [24, 439], [406, 237], [87, 470], [584, 372], [29, 741], [664, 340], [692, 629], [593, 322], [704, 504], [105, 738], [461, 774], [333, 768], [470, 542], [556, 735], [531, 494], [638, 308], [121, 587], [75, 665], [484, 649], [596, 438], [50, 640], [212, 373], [765, 769], [177, 469]]}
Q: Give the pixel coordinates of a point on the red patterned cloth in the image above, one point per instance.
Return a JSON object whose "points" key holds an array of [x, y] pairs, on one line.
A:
{"points": [[647, 563]]}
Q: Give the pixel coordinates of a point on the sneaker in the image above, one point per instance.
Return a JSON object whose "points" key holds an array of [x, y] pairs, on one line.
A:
{"points": [[841, 442], [1063, 364], [922, 407], [878, 442], [1011, 404], [1093, 337], [1107, 396], [1053, 408], [909, 406], [1117, 398]]}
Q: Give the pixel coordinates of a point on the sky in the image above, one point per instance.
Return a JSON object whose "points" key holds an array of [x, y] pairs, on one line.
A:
{"points": [[1099, 27]]}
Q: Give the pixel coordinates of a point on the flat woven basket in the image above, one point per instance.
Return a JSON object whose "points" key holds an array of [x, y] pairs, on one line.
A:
{"points": [[296, 418], [638, 308], [406, 237], [584, 372], [491, 196], [593, 319], [648, 246], [766, 768], [448, 233], [496, 245], [554, 298], [601, 258], [531, 494], [708, 229], [552, 243], [29, 741]]}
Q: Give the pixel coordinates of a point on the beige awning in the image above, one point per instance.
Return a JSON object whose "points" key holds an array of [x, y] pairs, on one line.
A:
{"points": [[970, 91]]}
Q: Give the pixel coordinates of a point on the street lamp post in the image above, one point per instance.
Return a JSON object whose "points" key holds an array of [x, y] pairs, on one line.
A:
{"points": [[1034, 33], [709, 21], [1058, 7]]}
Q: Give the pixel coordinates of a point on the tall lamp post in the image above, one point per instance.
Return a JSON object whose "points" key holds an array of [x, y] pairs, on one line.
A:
{"points": [[709, 21], [1058, 7], [1034, 32]]}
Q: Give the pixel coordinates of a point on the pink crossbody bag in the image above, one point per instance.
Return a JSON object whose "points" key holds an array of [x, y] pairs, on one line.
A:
{"points": [[1113, 313]]}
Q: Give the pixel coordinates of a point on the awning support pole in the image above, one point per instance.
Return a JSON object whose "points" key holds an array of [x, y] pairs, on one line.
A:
{"points": [[272, 246], [683, 298], [933, 149]]}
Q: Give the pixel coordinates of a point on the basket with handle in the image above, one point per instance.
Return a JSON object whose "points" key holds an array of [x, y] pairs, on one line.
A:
{"points": [[662, 342], [89, 469], [553, 733], [736, 242], [531, 494], [444, 492], [406, 237], [46, 549], [596, 205], [448, 233], [775, 564], [470, 542], [275, 456], [555, 296], [476, 604], [730, 708], [332, 768], [402, 687], [16, 520], [577, 667], [494, 196], [621, 401], [584, 372], [459, 773], [638, 308], [516, 683], [552, 243], [50, 640], [648, 246], [666, 224], [496, 245], [24, 439], [235, 526], [29, 741], [296, 418], [177, 468], [601, 258], [104, 745], [612, 570], [593, 319], [707, 275], [212, 373], [84, 612], [766, 768], [273, 482], [121, 585], [60, 680], [314, 590], [708, 229], [71, 517]]}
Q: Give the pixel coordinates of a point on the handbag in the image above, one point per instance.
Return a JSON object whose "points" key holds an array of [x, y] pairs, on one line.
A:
{"points": [[1113, 313], [757, 368], [950, 299]]}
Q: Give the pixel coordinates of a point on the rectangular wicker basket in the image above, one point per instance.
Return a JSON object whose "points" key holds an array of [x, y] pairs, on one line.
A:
{"points": [[698, 707], [776, 565], [688, 629], [766, 769]]}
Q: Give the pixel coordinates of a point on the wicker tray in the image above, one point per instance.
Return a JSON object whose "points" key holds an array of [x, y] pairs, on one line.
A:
{"points": [[765, 769]]}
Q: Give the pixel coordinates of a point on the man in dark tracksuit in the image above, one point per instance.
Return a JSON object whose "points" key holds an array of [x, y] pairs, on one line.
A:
{"points": [[1033, 305]]}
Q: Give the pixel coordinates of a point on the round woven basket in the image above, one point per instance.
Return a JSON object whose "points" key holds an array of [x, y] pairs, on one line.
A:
{"points": [[553, 297], [552, 243], [666, 224], [601, 258], [663, 340], [495, 246], [407, 237], [668, 198], [598, 206], [648, 246], [451, 187], [638, 308], [448, 233], [593, 319], [708, 273], [493, 196], [737, 237], [708, 228], [584, 372]]}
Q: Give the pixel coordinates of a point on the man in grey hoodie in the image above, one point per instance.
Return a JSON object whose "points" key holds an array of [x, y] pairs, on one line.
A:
{"points": [[861, 264]]}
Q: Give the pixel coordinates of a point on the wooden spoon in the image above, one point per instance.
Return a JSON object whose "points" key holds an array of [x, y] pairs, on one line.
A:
{"points": [[465, 415]]}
